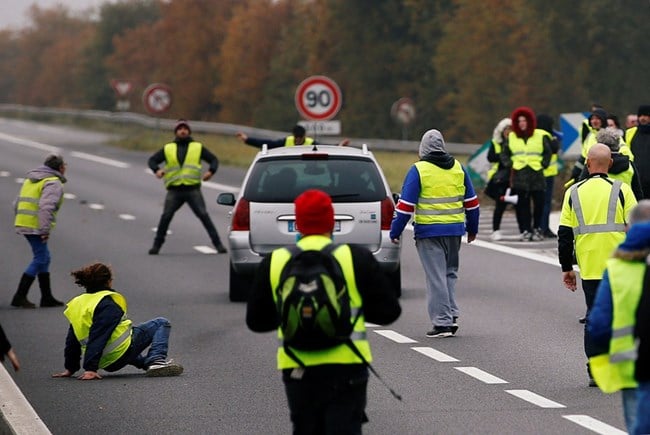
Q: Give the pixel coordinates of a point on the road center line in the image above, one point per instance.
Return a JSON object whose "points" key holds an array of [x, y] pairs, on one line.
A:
{"points": [[435, 354], [594, 425], [395, 336], [98, 159], [481, 375], [535, 399], [205, 249], [30, 143]]}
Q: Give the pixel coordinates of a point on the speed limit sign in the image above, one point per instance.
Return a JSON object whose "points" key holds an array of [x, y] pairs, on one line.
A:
{"points": [[318, 98], [157, 98]]}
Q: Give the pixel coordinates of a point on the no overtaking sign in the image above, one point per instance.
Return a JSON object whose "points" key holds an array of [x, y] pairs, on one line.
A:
{"points": [[318, 98]]}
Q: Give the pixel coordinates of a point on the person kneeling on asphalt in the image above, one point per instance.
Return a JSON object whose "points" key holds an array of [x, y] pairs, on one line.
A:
{"points": [[101, 332]]}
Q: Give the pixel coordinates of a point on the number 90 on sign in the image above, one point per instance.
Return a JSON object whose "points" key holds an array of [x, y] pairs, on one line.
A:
{"points": [[318, 98]]}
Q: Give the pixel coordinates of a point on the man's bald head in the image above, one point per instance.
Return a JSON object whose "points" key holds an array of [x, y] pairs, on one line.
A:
{"points": [[599, 159]]}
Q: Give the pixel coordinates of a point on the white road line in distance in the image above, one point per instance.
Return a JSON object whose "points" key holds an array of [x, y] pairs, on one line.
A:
{"points": [[594, 425], [219, 186], [5, 173], [19, 180], [535, 399], [30, 143], [370, 325], [205, 249], [95, 206], [69, 196], [395, 336], [518, 252], [98, 159], [481, 375], [127, 217], [435, 354]]}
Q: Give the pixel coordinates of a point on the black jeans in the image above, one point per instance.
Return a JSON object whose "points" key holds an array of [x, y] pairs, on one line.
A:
{"points": [[589, 287], [173, 201], [330, 402], [522, 209]]}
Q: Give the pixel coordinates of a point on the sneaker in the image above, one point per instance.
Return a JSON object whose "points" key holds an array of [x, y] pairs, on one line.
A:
{"points": [[537, 235], [525, 236], [441, 332], [496, 235], [454, 325], [164, 368]]}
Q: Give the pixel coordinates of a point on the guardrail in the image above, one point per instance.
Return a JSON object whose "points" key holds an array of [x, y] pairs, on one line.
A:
{"points": [[226, 129]]}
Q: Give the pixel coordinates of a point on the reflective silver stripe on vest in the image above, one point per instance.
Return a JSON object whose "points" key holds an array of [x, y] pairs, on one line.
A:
{"points": [[629, 355], [445, 200], [440, 212], [183, 177], [622, 332], [355, 335], [28, 212], [610, 226], [27, 199], [118, 341]]}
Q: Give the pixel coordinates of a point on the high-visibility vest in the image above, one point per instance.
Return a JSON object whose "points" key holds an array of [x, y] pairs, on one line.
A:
{"points": [[629, 134], [79, 313], [441, 194], [187, 174], [28, 200], [552, 170], [495, 166], [625, 176], [342, 353], [598, 224], [529, 152], [615, 370], [291, 141]]}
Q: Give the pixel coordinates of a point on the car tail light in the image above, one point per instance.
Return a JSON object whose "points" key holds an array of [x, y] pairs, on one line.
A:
{"points": [[387, 212], [241, 220]]}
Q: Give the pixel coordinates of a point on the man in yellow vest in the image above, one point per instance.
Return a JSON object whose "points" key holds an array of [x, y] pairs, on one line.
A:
{"points": [[298, 137], [325, 387], [593, 222], [182, 176], [36, 208], [618, 326], [101, 333]]}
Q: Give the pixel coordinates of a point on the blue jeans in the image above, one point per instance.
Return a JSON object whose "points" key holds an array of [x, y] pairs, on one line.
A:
{"points": [[153, 334], [636, 408], [439, 258], [175, 200], [41, 255]]}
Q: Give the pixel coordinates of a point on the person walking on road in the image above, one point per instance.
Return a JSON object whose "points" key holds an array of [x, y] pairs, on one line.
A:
{"points": [[618, 327], [8, 351], [439, 195], [594, 219], [298, 137], [182, 176], [101, 333], [326, 388], [36, 207]]}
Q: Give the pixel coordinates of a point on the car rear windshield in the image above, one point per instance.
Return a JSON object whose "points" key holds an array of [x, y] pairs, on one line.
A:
{"points": [[345, 179]]}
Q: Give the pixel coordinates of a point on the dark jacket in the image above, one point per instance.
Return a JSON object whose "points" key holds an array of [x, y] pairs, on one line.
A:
{"points": [[105, 319], [640, 146], [620, 164], [159, 157], [4, 344]]}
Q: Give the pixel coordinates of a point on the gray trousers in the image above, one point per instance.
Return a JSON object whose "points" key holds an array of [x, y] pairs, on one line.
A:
{"points": [[439, 257]]}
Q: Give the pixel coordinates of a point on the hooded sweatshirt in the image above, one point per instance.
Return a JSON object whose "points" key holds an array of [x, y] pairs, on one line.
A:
{"points": [[49, 201], [432, 150]]}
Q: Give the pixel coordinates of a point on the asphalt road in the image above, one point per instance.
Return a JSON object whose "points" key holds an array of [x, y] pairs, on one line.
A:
{"points": [[516, 365]]}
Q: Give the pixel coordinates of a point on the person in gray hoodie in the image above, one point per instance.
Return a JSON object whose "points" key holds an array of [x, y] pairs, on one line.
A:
{"points": [[36, 207]]}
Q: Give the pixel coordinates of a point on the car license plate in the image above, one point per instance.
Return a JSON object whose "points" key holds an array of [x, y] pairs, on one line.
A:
{"points": [[292, 226]]}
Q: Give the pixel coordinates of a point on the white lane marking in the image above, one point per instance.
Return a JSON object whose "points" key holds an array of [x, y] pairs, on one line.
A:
{"points": [[481, 375], [69, 196], [370, 325], [30, 143], [517, 252], [395, 336], [435, 354], [155, 230], [535, 399], [19, 180], [127, 217], [205, 249], [98, 159], [594, 425], [5, 173], [94, 206], [219, 186]]}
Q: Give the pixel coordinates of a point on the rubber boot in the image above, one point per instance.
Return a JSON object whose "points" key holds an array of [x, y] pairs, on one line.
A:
{"points": [[20, 298], [47, 300]]}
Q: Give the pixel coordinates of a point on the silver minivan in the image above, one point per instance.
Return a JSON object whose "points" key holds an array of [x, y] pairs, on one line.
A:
{"points": [[263, 216]]}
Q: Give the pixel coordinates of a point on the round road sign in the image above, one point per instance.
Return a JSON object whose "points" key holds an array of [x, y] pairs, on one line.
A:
{"points": [[403, 111], [318, 98], [157, 98]]}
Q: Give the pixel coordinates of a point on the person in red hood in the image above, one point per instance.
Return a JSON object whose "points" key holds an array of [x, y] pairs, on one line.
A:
{"points": [[528, 153]]}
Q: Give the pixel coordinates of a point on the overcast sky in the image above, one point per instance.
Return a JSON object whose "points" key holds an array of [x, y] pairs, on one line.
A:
{"points": [[13, 13]]}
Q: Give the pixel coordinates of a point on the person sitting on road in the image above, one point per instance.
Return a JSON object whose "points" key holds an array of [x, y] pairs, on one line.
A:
{"points": [[298, 137], [101, 332]]}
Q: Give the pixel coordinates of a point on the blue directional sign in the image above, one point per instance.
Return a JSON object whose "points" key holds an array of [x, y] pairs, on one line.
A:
{"points": [[571, 125]]}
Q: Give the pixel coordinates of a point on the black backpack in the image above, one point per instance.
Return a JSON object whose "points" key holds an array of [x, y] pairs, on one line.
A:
{"points": [[313, 301]]}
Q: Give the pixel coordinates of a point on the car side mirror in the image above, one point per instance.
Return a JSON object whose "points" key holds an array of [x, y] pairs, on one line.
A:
{"points": [[226, 199]]}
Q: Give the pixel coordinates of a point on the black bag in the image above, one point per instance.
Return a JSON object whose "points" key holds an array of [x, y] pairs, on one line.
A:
{"points": [[498, 184]]}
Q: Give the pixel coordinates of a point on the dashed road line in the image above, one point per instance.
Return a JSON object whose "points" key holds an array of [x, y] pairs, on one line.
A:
{"points": [[481, 375], [435, 354], [95, 206], [69, 196], [535, 399], [594, 425], [395, 336], [5, 173], [205, 249], [127, 217]]}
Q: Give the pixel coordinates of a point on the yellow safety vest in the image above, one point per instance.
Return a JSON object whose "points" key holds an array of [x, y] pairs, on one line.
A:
{"points": [[592, 140], [615, 370], [629, 134], [28, 201], [552, 170], [187, 174], [598, 219], [625, 176], [291, 141], [529, 152], [495, 166], [79, 313], [341, 354], [441, 194]]}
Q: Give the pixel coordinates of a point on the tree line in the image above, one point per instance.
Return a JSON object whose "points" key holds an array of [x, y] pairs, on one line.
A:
{"points": [[464, 63]]}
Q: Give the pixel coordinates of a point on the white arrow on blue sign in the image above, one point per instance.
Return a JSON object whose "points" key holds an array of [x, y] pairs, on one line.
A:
{"points": [[571, 125]]}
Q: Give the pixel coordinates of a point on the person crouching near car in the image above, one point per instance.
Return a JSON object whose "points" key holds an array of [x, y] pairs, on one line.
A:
{"points": [[101, 333]]}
